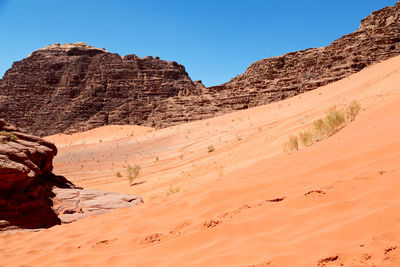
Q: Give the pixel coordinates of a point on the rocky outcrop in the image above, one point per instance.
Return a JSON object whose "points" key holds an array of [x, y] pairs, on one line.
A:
{"points": [[74, 204], [71, 87], [76, 87], [31, 196], [25, 169]]}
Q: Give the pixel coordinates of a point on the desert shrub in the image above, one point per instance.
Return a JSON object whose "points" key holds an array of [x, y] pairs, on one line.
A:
{"points": [[291, 144], [172, 190], [352, 110], [119, 174], [132, 172], [210, 148], [306, 138], [320, 129], [334, 120], [9, 137]]}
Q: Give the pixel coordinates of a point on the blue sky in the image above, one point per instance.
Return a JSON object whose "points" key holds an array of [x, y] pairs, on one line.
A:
{"points": [[214, 40]]}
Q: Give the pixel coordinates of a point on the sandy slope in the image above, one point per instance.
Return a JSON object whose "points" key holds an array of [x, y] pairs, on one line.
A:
{"points": [[246, 203], [107, 133], [177, 157]]}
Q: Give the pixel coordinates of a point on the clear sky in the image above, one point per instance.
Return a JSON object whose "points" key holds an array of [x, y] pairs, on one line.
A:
{"points": [[214, 39]]}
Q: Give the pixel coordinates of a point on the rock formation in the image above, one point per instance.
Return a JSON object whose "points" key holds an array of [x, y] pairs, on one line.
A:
{"points": [[28, 188], [72, 204], [72, 87], [76, 87], [25, 167]]}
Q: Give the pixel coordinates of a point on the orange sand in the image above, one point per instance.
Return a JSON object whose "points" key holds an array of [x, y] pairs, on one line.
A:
{"points": [[246, 203]]}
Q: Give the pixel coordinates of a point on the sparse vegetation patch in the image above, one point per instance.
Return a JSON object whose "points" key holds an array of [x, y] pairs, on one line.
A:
{"points": [[172, 190], [292, 144], [132, 172], [333, 121], [352, 110], [306, 138], [8, 137]]}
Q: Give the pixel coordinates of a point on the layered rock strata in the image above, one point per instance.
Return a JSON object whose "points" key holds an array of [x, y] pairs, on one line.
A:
{"points": [[74, 87]]}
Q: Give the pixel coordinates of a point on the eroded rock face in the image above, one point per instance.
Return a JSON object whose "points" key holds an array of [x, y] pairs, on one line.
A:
{"points": [[25, 169], [71, 87], [32, 197], [76, 87]]}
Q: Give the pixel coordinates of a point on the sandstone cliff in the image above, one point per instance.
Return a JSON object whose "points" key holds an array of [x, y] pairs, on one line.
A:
{"points": [[76, 87], [72, 87], [25, 169]]}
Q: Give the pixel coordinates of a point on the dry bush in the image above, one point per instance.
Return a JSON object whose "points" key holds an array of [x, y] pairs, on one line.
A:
{"points": [[172, 190], [8, 137], [292, 144], [320, 129], [334, 121], [132, 172], [306, 138], [352, 110]]}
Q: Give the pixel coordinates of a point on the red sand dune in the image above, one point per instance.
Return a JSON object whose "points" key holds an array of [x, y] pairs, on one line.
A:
{"points": [[333, 204], [177, 156]]}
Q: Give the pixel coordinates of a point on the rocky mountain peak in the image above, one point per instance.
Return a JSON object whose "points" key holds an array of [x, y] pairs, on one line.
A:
{"points": [[381, 18], [71, 49]]}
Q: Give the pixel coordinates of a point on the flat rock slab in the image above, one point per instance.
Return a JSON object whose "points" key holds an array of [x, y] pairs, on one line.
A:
{"points": [[74, 204]]}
